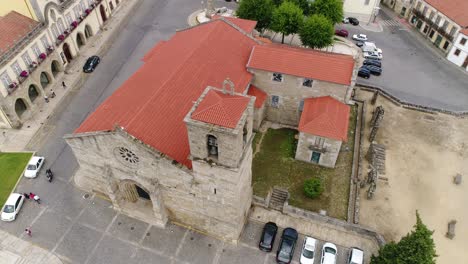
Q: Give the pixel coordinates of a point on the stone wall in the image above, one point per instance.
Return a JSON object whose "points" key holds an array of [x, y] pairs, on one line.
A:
{"points": [[329, 152], [259, 115], [291, 92]]}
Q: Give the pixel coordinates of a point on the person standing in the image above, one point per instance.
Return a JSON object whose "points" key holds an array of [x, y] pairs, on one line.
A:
{"points": [[52, 93], [64, 85], [28, 231], [46, 98]]}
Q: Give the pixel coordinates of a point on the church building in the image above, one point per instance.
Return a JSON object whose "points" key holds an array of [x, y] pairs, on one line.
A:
{"points": [[174, 142]]}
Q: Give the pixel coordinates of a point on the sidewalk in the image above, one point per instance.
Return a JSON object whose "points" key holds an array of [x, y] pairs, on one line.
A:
{"points": [[12, 140], [15, 250]]}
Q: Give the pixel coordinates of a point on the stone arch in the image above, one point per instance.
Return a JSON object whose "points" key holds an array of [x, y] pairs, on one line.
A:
{"points": [[45, 79], [55, 67], [80, 40], [48, 7], [103, 13], [20, 107], [212, 146], [67, 52], [33, 92], [88, 31]]}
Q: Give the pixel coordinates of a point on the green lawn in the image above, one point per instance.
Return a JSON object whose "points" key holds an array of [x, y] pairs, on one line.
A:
{"points": [[274, 165], [11, 168]]}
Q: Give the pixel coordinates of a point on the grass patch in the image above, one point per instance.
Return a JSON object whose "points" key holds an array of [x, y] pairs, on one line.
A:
{"points": [[255, 141], [11, 168], [274, 165]]}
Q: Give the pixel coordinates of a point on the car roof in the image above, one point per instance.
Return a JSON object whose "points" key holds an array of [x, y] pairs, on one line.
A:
{"points": [[34, 159], [290, 232], [310, 242], [357, 255], [330, 245], [12, 198]]}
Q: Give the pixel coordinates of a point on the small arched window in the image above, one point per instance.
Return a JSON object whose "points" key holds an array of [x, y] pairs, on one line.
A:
{"points": [[212, 144]]}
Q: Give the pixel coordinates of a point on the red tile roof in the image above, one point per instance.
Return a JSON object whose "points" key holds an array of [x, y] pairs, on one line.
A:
{"points": [[13, 27], [221, 109], [325, 117], [152, 104], [456, 10], [464, 31], [264, 40], [259, 94], [317, 65], [245, 24]]}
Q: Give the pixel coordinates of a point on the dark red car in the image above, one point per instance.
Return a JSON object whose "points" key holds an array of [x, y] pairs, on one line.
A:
{"points": [[342, 32]]}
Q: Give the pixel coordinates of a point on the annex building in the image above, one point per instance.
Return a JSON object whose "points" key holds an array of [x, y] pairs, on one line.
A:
{"points": [[174, 142]]}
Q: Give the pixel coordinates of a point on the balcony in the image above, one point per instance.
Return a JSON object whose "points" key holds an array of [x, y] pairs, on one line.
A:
{"points": [[75, 24], [432, 25]]}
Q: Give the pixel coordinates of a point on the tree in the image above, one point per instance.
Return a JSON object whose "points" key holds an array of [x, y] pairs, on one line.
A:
{"points": [[313, 187], [331, 9], [303, 4], [416, 247], [258, 10], [316, 32], [287, 19]]}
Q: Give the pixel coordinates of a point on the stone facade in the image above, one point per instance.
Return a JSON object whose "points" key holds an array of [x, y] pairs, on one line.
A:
{"points": [[326, 152], [291, 92], [259, 115]]}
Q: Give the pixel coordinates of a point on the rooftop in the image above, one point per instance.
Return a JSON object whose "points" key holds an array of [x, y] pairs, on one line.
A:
{"points": [[456, 10], [13, 27], [259, 95]]}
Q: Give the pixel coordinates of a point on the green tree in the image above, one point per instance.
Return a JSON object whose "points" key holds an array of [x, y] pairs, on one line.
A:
{"points": [[316, 32], [258, 10], [331, 9], [303, 4], [287, 19], [417, 247], [313, 187]]}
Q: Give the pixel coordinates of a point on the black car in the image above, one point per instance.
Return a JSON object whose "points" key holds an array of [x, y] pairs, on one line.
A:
{"points": [[373, 62], [353, 21], [364, 72], [286, 248], [374, 69], [268, 237], [91, 64], [359, 43]]}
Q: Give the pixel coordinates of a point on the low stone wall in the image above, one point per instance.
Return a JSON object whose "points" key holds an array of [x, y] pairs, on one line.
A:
{"points": [[399, 102], [359, 178]]}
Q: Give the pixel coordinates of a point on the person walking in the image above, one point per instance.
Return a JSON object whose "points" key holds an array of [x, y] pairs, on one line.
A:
{"points": [[28, 231], [52, 93], [35, 197], [46, 98], [64, 85]]}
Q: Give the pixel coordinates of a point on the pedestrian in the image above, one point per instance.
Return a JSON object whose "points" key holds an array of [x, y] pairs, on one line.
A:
{"points": [[46, 98], [28, 231], [64, 85], [35, 197], [26, 196], [52, 93]]}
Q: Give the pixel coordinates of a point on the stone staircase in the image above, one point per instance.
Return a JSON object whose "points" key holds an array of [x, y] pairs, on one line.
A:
{"points": [[278, 197]]}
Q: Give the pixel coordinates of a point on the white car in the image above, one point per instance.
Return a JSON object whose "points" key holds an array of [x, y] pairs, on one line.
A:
{"points": [[12, 207], [372, 55], [356, 256], [328, 254], [308, 251], [33, 167], [360, 37]]}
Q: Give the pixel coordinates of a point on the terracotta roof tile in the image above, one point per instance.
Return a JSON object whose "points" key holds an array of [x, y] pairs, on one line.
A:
{"points": [[456, 10], [325, 117], [221, 109], [247, 25], [13, 27], [151, 104], [259, 94], [464, 31], [317, 65]]}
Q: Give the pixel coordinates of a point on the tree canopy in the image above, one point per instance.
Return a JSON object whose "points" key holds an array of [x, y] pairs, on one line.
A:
{"points": [[417, 247], [287, 19], [258, 10], [331, 9], [303, 4], [316, 32]]}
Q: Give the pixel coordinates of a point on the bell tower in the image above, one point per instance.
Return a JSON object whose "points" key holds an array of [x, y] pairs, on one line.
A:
{"points": [[219, 128]]}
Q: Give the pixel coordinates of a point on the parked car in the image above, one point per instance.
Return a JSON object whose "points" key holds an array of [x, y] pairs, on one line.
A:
{"points": [[91, 64], [342, 33], [364, 73], [373, 69], [351, 20], [308, 251], [34, 165], [12, 207], [372, 62], [372, 55], [328, 254], [370, 46], [360, 37], [359, 43], [356, 256], [268, 237], [286, 248]]}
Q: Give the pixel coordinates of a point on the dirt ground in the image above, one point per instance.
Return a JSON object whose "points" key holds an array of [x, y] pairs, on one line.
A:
{"points": [[424, 153]]}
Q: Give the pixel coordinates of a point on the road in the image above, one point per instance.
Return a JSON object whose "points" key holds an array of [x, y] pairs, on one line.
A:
{"points": [[412, 71], [83, 228]]}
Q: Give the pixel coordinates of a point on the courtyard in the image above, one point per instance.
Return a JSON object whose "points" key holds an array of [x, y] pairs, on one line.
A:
{"points": [[274, 165], [424, 152]]}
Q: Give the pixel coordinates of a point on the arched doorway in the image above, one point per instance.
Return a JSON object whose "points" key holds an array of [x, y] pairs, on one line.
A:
{"points": [[55, 67], [67, 52], [88, 32], [20, 107], [111, 5], [80, 40], [45, 80], [103, 13], [32, 92]]}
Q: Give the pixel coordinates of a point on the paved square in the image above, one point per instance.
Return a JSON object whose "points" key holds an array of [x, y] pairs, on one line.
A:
{"points": [[78, 243], [49, 228], [165, 240], [128, 228], [145, 257], [98, 214], [68, 202], [198, 249], [240, 255], [113, 251]]}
